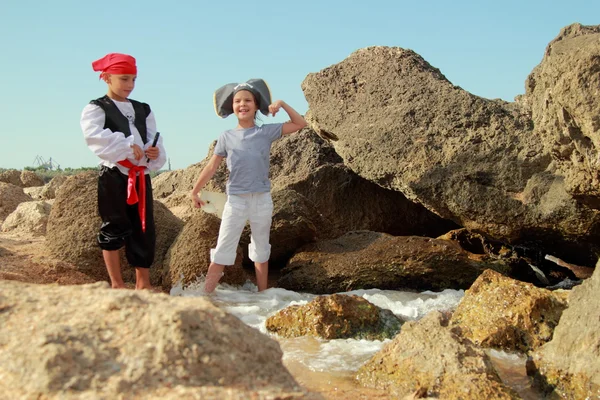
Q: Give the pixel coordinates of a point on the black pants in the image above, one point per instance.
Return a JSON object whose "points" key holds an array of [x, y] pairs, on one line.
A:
{"points": [[121, 225]]}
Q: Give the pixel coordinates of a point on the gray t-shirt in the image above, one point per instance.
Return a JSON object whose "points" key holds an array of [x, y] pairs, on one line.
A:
{"points": [[248, 154]]}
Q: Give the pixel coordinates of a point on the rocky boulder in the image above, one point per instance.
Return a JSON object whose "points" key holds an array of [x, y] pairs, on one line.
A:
{"points": [[49, 190], [31, 179], [503, 313], [12, 176], [568, 365], [401, 124], [335, 317], [428, 358], [10, 198], [30, 217], [363, 260], [306, 163], [73, 227], [562, 96], [93, 342]]}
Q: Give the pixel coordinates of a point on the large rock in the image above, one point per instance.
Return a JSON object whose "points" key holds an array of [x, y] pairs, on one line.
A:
{"points": [[31, 179], [306, 163], [562, 94], [502, 313], [91, 342], [428, 358], [73, 227], [49, 190], [12, 176], [30, 217], [569, 364], [335, 317], [363, 260], [478, 162], [10, 198], [189, 256]]}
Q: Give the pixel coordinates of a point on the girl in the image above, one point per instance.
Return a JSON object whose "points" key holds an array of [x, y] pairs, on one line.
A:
{"points": [[247, 150]]}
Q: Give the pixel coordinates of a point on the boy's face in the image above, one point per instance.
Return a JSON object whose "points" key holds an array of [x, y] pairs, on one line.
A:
{"points": [[244, 106], [120, 86]]}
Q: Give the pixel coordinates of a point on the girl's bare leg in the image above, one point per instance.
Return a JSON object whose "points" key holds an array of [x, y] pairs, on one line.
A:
{"points": [[262, 275], [214, 274]]}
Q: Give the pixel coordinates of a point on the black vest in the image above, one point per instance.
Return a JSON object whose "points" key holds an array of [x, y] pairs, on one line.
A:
{"points": [[117, 122]]}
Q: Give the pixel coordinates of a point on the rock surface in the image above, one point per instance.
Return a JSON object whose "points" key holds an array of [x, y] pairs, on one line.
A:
{"points": [[336, 317], [569, 364], [93, 342], [29, 217], [503, 313], [519, 172], [427, 357], [363, 260]]}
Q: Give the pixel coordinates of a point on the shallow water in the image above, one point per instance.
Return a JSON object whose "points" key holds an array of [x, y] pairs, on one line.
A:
{"points": [[330, 365]]}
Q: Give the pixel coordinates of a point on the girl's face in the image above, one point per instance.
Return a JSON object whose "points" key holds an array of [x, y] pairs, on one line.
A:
{"points": [[244, 106], [120, 86]]}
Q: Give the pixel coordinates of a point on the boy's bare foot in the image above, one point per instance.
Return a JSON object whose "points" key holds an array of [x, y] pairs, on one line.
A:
{"points": [[118, 286], [142, 279]]}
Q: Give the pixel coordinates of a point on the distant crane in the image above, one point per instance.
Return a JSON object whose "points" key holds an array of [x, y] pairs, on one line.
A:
{"points": [[47, 165]]}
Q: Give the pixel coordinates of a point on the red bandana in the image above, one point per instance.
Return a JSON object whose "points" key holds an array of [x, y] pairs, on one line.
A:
{"points": [[115, 63]]}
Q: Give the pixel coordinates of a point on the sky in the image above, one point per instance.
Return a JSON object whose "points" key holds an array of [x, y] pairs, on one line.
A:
{"points": [[187, 49]]}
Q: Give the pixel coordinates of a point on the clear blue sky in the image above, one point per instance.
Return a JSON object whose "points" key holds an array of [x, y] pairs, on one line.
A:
{"points": [[186, 49]]}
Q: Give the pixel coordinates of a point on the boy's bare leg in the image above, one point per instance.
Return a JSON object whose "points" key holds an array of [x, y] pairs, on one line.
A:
{"points": [[113, 266], [262, 275], [142, 278], [214, 274]]}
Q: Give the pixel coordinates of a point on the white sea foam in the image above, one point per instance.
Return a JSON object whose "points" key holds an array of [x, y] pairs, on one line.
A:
{"points": [[341, 355]]}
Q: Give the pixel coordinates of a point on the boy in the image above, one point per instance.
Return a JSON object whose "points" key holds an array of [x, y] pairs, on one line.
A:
{"points": [[121, 133]]}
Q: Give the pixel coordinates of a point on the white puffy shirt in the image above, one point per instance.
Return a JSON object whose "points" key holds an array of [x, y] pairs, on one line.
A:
{"points": [[112, 147]]}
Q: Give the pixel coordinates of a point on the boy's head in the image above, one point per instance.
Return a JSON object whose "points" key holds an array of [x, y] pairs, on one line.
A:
{"points": [[119, 71]]}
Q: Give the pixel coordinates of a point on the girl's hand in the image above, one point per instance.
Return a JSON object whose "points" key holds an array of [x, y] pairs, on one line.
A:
{"points": [[138, 153], [196, 202], [275, 106], [152, 153]]}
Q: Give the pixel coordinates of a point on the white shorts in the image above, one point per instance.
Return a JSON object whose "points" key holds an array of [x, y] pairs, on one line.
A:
{"points": [[239, 208]]}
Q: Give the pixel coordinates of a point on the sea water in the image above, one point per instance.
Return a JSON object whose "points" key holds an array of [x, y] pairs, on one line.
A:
{"points": [[327, 363]]}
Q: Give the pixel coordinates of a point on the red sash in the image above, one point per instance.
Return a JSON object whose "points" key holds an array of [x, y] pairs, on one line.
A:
{"points": [[132, 194]]}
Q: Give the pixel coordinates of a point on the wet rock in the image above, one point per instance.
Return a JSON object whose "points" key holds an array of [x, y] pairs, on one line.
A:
{"points": [[336, 317], [429, 358], [500, 312], [568, 365]]}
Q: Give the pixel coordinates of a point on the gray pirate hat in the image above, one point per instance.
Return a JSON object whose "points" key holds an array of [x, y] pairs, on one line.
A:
{"points": [[223, 96]]}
